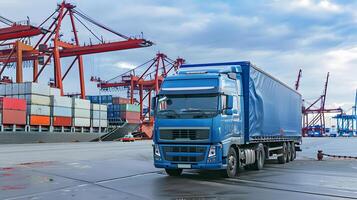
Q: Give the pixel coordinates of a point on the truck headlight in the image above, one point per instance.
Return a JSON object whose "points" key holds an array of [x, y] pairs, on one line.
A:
{"points": [[157, 150], [212, 151]]}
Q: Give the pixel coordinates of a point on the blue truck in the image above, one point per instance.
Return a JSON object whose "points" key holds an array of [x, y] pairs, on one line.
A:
{"points": [[226, 116]]}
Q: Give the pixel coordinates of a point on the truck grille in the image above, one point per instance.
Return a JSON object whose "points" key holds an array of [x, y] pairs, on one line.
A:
{"points": [[198, 153], [181, 134]]}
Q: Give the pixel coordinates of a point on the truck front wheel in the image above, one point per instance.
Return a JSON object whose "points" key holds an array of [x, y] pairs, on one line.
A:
{"points": [[173, 172], [232, 165]]}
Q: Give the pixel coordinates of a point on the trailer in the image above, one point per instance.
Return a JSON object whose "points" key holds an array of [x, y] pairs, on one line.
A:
{"points": [[224, 116]]}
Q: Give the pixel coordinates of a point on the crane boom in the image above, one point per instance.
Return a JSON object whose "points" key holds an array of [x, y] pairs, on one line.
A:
{"points": [[297, 83], [106, 47], [20, 31]]}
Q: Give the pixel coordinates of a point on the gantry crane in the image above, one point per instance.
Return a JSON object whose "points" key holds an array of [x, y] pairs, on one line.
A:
{"points": [[15, 46], [52, 44], [317, 122], [146, 79], [347, 123]]}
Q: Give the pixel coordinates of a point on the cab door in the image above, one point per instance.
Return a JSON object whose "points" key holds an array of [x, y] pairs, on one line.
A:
{"points": [[238, 109]]}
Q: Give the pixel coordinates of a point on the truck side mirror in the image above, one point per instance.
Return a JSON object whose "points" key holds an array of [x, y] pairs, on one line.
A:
{"points": [[153, 103], [229, 102], [153, 106], [229, 109]]}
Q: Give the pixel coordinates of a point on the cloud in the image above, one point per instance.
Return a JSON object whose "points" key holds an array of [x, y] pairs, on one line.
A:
{"points": [[124, 65], [313, 5]]}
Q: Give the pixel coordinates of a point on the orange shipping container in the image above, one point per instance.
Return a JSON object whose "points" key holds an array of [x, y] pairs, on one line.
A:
{"points": [[17, 117], [62, 121], [39, 120]]}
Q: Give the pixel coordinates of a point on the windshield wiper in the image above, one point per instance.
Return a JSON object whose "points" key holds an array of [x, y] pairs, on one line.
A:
{"points": [[191, 110], [199, 110], [200, 113]]}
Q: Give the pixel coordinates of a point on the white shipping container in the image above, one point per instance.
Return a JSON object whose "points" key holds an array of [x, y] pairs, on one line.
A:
{"points": [[61, 111], [82, 113], [2, 89], [38, 110], [8, 89], [104, 107], [81, 103], [81, 122], [15, 88], [101, 123], [37, 88], [38, 99], [96, 114], [55, 92], [21, 88], [61, 101], [95, 106]]}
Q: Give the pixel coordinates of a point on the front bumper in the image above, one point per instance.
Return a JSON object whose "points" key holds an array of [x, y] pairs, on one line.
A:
{"points": [[168, 165], [172, 157]]}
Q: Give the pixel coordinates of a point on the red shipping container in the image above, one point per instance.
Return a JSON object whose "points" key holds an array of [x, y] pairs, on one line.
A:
{"points": [[17, 117], [39, 120], [120, 100], [133, 121], [130, 115], [7, 103], [62, 121]]}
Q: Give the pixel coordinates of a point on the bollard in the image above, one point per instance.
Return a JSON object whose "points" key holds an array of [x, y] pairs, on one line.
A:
{"points": [[320, 155]]}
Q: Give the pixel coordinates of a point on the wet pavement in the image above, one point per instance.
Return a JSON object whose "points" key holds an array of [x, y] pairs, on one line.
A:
{"points": [[114, 170]]}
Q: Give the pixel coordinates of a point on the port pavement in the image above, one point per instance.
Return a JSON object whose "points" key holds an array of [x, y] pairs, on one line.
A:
{"points": [[115, 170]]}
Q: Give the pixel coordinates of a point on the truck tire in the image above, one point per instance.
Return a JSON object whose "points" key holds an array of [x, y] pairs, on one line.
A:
{"points": [[288, 155], [173, 172], [282, 159], [259, 157], [293, 151], [232, 163]]}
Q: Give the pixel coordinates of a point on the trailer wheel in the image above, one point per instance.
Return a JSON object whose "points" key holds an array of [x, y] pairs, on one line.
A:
{"points": [[293, 151], [259, 157], [173, 172], [232, 163], [283, 151], [288, 154]]}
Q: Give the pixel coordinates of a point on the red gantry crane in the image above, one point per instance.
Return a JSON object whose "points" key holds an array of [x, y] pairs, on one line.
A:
{"points": [[317, 112], [146, 79], [16, 48], [52, 44]]}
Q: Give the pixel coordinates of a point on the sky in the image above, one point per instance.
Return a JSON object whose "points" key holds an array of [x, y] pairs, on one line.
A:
{"points": [[281, 37]]}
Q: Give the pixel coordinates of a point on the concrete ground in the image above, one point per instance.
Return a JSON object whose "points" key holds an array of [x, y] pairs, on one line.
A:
{"points": [[114, 170]]}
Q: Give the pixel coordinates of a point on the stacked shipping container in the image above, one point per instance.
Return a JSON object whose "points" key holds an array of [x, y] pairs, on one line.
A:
{"points": [[81, 112], [99, 115], [61, 111], [122, 109], [102, 99], [45, 107], [12, 111]]}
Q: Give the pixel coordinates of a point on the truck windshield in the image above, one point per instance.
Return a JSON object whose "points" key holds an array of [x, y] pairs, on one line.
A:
{"points": [[187, 106]]}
